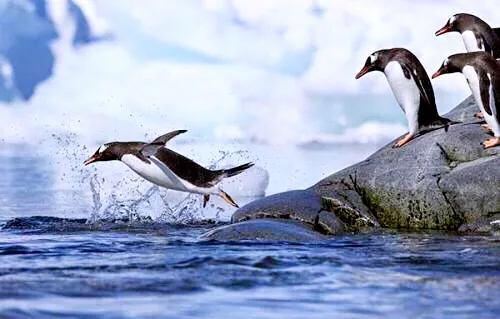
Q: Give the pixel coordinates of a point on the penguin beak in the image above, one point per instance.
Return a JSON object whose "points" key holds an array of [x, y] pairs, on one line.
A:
{"points": [[363, 71], [439, 72], [443, 30], [94, 158]]}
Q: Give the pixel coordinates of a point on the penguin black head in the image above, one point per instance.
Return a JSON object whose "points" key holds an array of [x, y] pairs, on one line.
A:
{"points": [[107, 152], [455, 63], [375, 62], [448, 66], [461, 22], [452, 64]]}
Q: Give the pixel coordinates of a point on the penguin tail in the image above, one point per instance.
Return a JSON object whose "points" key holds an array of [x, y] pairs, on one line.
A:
{"points": [[235, 170], [445, 123], [437, 124]]}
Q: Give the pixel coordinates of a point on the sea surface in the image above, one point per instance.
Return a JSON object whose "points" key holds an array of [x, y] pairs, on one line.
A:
{"points": [[96, 242]]}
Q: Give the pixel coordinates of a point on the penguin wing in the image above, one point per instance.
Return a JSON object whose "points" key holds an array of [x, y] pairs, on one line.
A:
{"points": [[485, 89], [167, 137], [159, 142], [482, 43], [149, 150], [495, 96], [418, 81]]}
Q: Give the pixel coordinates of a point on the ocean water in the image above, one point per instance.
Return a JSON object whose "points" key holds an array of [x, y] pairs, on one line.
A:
{"points": [[108, 245]]}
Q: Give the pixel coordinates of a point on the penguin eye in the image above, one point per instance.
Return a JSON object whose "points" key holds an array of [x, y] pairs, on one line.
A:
{"points": [[452, 20]]}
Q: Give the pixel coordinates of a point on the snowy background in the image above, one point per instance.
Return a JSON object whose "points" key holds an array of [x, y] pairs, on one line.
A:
{"points": [[274, 71], [265, 81]]}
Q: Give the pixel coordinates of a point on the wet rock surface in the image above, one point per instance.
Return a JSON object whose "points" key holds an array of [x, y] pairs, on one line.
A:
{"points": [[264, 229]]}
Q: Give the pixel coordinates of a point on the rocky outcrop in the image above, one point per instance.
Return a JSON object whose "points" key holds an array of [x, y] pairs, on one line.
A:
{"points": [[442, 180]]}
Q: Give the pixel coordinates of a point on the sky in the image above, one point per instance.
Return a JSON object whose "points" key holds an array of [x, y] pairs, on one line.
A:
{"points": [[274, 71]]}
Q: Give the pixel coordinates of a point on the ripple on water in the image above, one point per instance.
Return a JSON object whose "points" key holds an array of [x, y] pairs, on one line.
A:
{"points": [[378, 275]]}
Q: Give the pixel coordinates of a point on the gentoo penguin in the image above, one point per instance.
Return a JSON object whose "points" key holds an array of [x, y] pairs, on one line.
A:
{"points": [[476, 34], [411, 87], [482, 72], [164, 167]]}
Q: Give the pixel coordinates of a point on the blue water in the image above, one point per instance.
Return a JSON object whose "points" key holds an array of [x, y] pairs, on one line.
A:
{"points": [[65, 267]]}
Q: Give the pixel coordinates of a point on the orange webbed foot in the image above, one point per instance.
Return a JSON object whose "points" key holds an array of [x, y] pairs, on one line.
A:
{"points": [[492, 142], [486, 127], [408, 137]]}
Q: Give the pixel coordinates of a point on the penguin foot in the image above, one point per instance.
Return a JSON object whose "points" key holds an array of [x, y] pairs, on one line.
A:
{"points": [[206, 198], [225, 196], [486, 127], [479, 115], [408, 137], [492, 142]]}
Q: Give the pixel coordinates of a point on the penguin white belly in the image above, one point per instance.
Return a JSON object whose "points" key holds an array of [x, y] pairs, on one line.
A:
{"points": [[470, 41], [473, 81], [152, 172], [406, 92]]}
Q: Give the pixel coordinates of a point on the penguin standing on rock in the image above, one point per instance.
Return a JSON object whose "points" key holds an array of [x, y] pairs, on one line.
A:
{"points": [[411, 87], [164, 167], [476, 34], [482, 72]]}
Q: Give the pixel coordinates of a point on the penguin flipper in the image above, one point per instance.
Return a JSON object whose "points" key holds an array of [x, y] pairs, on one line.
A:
{"points": [[167, 137], [150, 149], [159, 142], [485, 89], [143, 158], [418, 82], [495, 97]]}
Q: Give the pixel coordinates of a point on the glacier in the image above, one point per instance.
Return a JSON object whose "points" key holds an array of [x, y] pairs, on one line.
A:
{"points": [[277, 72], [27, 31]]}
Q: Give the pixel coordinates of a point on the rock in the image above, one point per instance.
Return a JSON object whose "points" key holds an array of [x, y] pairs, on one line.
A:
{"points": [[42, 222], [264, 229], [304, 206], [441, 180]]}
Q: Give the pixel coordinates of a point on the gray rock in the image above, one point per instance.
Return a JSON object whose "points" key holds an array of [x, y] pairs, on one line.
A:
{"points": [[304, 206], [264, 229], [443, 179], [298, 205], [440, 180]]}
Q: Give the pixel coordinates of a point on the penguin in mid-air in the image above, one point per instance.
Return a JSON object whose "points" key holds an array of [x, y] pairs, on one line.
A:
{"points": [[482, 72], [476, 34], [164, 167], [411, 87]]}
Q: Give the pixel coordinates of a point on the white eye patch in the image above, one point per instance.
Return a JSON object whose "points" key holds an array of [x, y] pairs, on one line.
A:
{"points": [[452, 19], [445, 63], [373, 58], [103, 148]]}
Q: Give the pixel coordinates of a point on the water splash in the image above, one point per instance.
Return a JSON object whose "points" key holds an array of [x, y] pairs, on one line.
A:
{"points": [[134, 200]]}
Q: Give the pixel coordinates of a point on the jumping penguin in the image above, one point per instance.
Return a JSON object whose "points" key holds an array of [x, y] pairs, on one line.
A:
{"points": [[164, 167]]}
